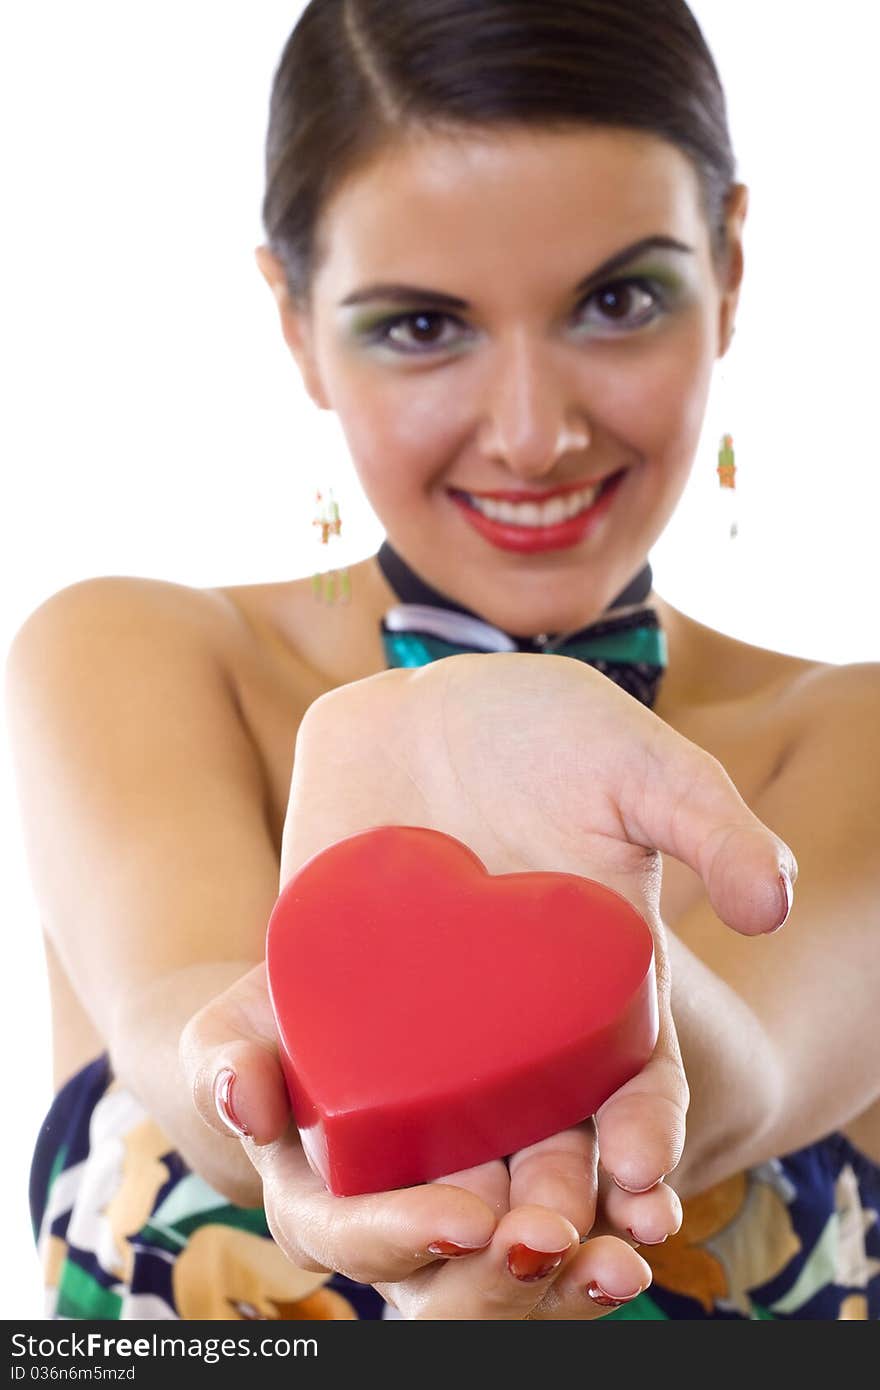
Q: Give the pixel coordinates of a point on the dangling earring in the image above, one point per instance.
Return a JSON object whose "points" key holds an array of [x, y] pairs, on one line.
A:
{"points": [[329, 521], [727, 468], [727, 472]]}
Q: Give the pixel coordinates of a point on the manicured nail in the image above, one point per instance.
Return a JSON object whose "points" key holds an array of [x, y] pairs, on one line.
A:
{"points": [[636, 1191], [605, 1300], [530, 1265], [640, 1240], [786, 900], [225, 1107], [448, 1249]]}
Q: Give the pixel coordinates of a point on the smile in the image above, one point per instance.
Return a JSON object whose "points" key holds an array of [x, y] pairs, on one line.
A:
{"points": [[535, 514]]}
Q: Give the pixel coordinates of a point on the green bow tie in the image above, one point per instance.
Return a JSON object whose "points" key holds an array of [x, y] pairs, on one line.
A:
{"points": [[629, 648]]}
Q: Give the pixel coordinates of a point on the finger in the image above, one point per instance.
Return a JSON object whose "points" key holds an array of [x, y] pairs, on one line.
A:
{"points": [[378, 1236], [490, 1181], [640, 1135], [685, 804], [504, 1282], [229, 1056], [604, 1275], [559, 1173], [641, 1127], [646, 1219]]}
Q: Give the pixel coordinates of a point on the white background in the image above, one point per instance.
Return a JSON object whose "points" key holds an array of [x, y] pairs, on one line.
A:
{"points": [[153, 425]]}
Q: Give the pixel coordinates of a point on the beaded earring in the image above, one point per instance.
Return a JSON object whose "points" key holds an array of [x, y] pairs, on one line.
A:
{"points": [[727, 473], [726, 467], [332, 586]]}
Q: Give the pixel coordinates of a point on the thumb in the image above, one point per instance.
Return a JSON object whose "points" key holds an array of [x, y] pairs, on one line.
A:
{"points": [[686, 805], [229, 1057]]}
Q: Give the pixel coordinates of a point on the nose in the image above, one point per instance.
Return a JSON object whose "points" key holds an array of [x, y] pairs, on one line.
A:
{"points": [[529, 419]]}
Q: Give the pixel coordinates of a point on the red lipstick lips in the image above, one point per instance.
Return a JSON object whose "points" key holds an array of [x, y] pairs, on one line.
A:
{"points": [[531, 539]]}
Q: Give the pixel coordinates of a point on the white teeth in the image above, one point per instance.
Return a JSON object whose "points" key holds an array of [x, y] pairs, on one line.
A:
{"points": [[534, 513]]}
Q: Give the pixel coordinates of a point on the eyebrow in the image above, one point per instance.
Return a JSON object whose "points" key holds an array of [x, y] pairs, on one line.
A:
{"points": [[400, 294]]}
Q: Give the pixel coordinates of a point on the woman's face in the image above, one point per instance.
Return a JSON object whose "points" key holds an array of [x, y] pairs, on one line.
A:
{"points": [[467, 327]]}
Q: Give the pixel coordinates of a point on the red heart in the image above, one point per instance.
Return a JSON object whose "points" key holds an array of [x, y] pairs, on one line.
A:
{"points": [[432, 1016]]}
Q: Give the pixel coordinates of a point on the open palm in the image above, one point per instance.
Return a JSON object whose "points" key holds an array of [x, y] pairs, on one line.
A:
{"points": [[536, 763]]}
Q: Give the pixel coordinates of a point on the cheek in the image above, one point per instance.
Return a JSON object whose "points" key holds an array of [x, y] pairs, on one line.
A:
{"points": [[654, 401], [399, 427]]}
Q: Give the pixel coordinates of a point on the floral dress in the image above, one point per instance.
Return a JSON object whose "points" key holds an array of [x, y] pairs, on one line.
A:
{"points": [[125, 1229]]}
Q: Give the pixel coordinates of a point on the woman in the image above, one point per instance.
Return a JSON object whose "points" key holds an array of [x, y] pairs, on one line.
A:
{"points": [[509, 267]]}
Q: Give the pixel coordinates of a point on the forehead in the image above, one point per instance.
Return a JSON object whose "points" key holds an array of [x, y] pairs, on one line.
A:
{"points": [[467, 202]]}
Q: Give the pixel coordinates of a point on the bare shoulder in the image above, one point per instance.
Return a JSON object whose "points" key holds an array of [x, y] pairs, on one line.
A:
{"points": [[259, 654], [133, 628], [834, 705], [137, 607], [823, 685], [118, 659], [768, 717], [734, 698]]}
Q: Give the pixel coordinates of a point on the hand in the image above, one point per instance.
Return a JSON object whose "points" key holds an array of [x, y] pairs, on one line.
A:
{"points": [[387, 1238], [536, 762]]}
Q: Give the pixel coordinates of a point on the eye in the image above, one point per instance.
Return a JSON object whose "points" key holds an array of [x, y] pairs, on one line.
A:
{"points": [[619, 306], [623, 304], [417, 331]]}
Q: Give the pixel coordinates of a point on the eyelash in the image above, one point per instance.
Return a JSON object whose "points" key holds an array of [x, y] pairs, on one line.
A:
{"points": [[379, 332]]}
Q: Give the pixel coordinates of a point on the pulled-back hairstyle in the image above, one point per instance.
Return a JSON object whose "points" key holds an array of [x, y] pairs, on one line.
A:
{"points": [[356, 73]]}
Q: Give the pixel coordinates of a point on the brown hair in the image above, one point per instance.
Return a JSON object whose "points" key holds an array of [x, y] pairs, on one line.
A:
{"points": [[354, 73]]}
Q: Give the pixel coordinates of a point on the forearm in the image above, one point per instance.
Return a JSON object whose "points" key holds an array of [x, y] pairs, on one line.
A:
{"points": [[732, 1071], [144, 1056]]}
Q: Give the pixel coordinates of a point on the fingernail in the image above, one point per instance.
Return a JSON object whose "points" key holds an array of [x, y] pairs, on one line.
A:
{"points": [[637, 1191], [606, 1300], [448, 1249], [223, 1101], [640, 1240], [529, 1265], [786, 900]]}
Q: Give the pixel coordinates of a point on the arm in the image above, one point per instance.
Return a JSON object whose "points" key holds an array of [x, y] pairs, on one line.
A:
{"points": [[562, 771], [142, 805], [779, 1036]]}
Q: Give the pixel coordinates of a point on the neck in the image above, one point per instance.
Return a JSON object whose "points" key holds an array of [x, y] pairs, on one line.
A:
{"points": [[409, 587], [686, 641]]}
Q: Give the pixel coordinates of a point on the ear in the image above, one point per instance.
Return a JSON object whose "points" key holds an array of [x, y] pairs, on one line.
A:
{"points": [[736, 208], [295, 324]]}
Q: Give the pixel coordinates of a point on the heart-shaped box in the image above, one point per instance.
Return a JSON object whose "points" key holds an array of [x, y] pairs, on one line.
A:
{"points": [[432, 1016]]}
